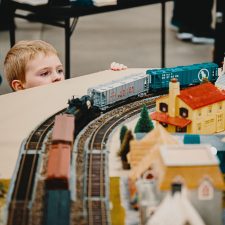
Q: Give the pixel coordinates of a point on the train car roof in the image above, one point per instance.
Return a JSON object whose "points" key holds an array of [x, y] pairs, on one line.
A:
{"points": [[181, 68], [63, 128], [118, 83]]}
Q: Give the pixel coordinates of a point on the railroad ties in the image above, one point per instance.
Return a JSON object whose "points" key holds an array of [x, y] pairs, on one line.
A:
{"points": [[25, 175], [96, 201], [97, 181], [96, 198], [95, 188]]}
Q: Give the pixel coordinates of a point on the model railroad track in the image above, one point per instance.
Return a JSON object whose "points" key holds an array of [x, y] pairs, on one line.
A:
{"points": [[97, 201], [22, 193], [97, 211], [36, 138]]}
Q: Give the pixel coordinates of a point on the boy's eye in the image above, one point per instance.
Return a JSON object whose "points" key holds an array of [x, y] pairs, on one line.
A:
{"points": [[44, 74], [60, 71]]}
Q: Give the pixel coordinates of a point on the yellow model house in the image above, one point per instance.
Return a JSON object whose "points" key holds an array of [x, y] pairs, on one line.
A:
{"points": [[198, 170], [193, 166], [199, 109]]}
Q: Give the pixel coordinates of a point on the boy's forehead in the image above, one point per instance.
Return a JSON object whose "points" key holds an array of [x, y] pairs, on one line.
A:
{"points": [[41, 60], [42, 55]]}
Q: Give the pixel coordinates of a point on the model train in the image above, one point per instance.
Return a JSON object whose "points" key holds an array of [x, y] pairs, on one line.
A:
{"points": [[153, 81], [83, 110], [57, 199], [58, 167]]}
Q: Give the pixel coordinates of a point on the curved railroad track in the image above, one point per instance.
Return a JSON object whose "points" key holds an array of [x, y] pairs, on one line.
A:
{"points": [[97, 199], [24, 183]]}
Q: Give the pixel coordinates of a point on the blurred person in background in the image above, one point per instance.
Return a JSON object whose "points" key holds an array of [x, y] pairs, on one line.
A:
{"points": [[193, 21], [219, 48]]}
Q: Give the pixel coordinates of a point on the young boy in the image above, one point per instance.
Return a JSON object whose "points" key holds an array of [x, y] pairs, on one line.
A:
{"points": [[33, 63]]}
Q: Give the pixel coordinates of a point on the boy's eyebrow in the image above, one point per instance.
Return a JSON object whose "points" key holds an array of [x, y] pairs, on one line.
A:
{"points": [[47, 67]]}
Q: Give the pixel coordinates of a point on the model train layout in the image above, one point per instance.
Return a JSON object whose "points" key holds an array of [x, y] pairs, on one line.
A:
{"points": [[153, 81], [63, 164]]}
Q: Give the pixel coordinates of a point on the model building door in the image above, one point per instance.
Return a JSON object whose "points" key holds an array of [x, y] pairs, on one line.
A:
{"points": [[219, 122]]}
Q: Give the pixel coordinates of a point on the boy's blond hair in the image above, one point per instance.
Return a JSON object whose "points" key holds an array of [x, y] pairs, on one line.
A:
{"points": [[21, 53]]}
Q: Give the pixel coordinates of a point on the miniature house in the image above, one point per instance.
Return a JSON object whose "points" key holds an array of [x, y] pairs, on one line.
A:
{"points": [[217, 141], [199, 109], [139, 148], [197, 169], [175, 209], [142, 153], [147, 199], [194, 166]]}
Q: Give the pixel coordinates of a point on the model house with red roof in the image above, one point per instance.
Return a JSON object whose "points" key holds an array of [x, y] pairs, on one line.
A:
{"points": [[199, 109]]}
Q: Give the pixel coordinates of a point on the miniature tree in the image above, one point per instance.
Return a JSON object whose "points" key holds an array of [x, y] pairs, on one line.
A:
{"points": [[144, 123], [125, 148], [123, 131]]}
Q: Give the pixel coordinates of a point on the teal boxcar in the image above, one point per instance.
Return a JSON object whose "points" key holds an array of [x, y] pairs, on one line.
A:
{"points": [[57, 207], [187, 75]]}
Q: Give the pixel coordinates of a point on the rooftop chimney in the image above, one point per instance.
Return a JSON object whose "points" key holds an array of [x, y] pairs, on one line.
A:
{"points": [[174, 90]]}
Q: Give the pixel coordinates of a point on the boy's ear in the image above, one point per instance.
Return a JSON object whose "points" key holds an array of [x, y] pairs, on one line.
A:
{"points": [[17, 85]]}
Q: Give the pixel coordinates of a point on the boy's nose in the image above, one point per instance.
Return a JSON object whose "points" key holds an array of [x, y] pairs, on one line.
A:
{"points": [[56, 77]]}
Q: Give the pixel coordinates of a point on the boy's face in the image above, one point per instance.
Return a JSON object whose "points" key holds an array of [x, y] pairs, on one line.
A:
{"points": [[43, 69]]}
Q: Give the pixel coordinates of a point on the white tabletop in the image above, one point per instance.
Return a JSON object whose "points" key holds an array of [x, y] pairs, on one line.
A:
{"points": [[22, 111]]}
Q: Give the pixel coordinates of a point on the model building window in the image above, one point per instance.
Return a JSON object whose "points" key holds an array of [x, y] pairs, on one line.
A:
{"points": [[148, 175], [164, 124], [181, 129], [205, 190], [220, 118], [163, 107], [183, 112], [198, 126], [220, 105], [209, 109], [209, 123]]}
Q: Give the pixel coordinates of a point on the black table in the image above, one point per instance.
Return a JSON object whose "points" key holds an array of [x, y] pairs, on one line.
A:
{"points": [[219, 46], [59, 12]]}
